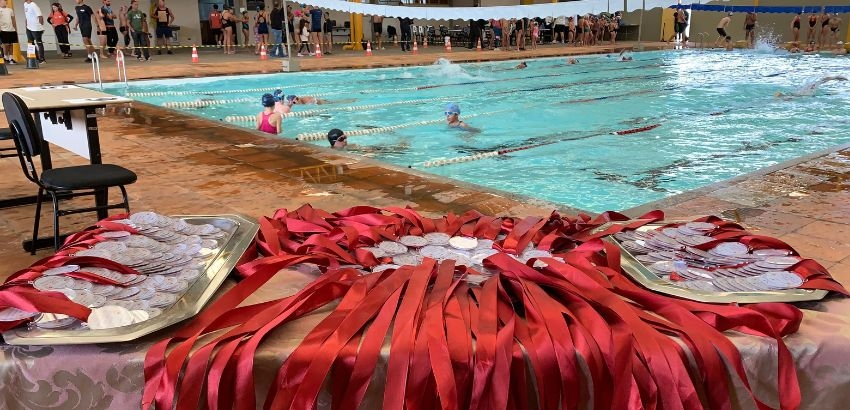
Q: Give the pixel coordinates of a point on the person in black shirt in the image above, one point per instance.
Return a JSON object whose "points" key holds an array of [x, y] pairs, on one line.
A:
{"points": [[329, 26], [109, 21], [84, 14], [404, 24], [276, 23]]}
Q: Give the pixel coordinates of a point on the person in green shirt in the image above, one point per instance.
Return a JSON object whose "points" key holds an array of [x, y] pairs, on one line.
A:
{"points": [[138, 26]]}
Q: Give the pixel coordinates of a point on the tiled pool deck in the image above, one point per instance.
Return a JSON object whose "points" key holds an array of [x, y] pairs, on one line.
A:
{"points": [[191, 166]]}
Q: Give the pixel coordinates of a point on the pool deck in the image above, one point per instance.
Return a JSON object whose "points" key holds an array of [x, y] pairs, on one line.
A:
{"points": [[191, 166]]}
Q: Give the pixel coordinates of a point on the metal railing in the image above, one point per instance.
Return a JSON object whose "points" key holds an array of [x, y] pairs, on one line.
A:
{"points": [[95, 69], [122, 67]]}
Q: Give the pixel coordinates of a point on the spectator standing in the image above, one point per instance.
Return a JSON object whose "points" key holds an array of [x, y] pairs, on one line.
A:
{"points": [[228, 22], [8, 31], [276, 24], [101, 32], [328, 44], [749, 29], [261, 28], [215, 24], [377, 31], [164, 17], [35, 28], [109, 22], [795, 29], [137, 24], [122, 26], [290, 17], [404, 25], [245, 22], [560, 29], [84, 15], [315, 26], [60, 20]]}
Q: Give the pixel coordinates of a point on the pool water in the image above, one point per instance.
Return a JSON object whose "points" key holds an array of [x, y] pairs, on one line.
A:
{"points": [[715, 116]]}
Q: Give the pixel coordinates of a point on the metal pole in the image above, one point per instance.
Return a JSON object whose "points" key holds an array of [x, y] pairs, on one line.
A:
{"points": [[640, 25], [286, 31]]}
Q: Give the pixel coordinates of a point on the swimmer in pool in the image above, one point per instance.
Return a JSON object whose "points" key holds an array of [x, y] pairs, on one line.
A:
{"points": [[305, 100], [339, 141], [453, 118], [572, 61], [624, 57], [810, 89], [281, 105], [521, 66]]}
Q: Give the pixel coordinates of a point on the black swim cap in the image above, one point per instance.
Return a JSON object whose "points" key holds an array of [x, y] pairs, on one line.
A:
{"points": [[268, 100], [334, 135]]}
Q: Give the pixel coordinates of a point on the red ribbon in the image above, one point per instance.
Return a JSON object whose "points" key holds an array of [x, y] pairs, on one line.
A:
{"points": [[522, 319]]}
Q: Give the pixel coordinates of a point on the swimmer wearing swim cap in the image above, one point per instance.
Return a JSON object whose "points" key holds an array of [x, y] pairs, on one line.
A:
{"points": [[269, 121], [453, 118], [337, 139]]}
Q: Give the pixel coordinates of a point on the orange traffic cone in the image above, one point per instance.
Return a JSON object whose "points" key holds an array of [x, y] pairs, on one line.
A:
{"points": [[318, 51], [369, 48], [194, 54], [478, 47], [415, 48], [448, 44], [263, 54]]}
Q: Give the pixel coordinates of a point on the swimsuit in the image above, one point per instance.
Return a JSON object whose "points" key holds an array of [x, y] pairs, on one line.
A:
{"points": [[262, 26], [797, 23], [265, 126], [812, 21], [749, 27]]}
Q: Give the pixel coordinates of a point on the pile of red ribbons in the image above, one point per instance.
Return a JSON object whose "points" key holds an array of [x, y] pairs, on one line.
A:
{"points": [[17, 291], [574, 333]]}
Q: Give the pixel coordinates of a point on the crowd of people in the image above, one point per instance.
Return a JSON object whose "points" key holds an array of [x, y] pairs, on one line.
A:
{"points": [[104, 21]]}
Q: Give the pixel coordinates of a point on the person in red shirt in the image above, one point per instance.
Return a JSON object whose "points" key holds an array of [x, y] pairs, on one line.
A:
{"points": [[59, 19], [215, 24]]}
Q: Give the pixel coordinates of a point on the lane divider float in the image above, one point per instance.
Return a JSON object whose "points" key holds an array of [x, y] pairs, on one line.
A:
{"points": [[318, 136], [310, 113], [439, 162]]}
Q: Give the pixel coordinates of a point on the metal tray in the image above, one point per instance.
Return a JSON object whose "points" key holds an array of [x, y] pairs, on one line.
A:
{"points": [[241, 233], [651, 281]]}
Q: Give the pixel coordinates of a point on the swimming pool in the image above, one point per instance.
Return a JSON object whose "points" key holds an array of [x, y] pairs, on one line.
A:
{"points": [[546, 131]]}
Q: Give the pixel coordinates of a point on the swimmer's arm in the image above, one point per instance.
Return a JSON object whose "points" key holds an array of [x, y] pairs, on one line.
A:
{"points": [[259, 120]]}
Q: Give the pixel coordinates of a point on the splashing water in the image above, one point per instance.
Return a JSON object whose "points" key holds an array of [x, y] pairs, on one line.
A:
{"points": [[445, 69], [811, 88], [766, 41]]}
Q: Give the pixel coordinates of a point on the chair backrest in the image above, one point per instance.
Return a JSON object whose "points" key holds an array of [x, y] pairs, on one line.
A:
{"points": [[27, 138]]}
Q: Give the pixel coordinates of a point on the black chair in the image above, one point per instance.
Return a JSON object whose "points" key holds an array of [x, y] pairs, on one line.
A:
{"points": [[60, 183], [7, 152]]}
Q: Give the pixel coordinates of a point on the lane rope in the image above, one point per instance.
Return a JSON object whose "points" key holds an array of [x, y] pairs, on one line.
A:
{"points": [[492, 154], [318, 136], [309, 113]]}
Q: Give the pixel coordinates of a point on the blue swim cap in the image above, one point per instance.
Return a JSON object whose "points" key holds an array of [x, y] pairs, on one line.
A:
{"points": [[278, 94], [268, 100], [452, 108], [290, 98]]}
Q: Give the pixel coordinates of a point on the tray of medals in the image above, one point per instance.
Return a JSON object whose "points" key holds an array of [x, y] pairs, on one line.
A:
{"points": [[181, 261], [666, 259], [466, 251]]}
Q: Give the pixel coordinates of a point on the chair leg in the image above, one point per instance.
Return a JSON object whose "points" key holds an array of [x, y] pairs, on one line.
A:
{"points": [[35, 224], [126, 200], [55, 220]]}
